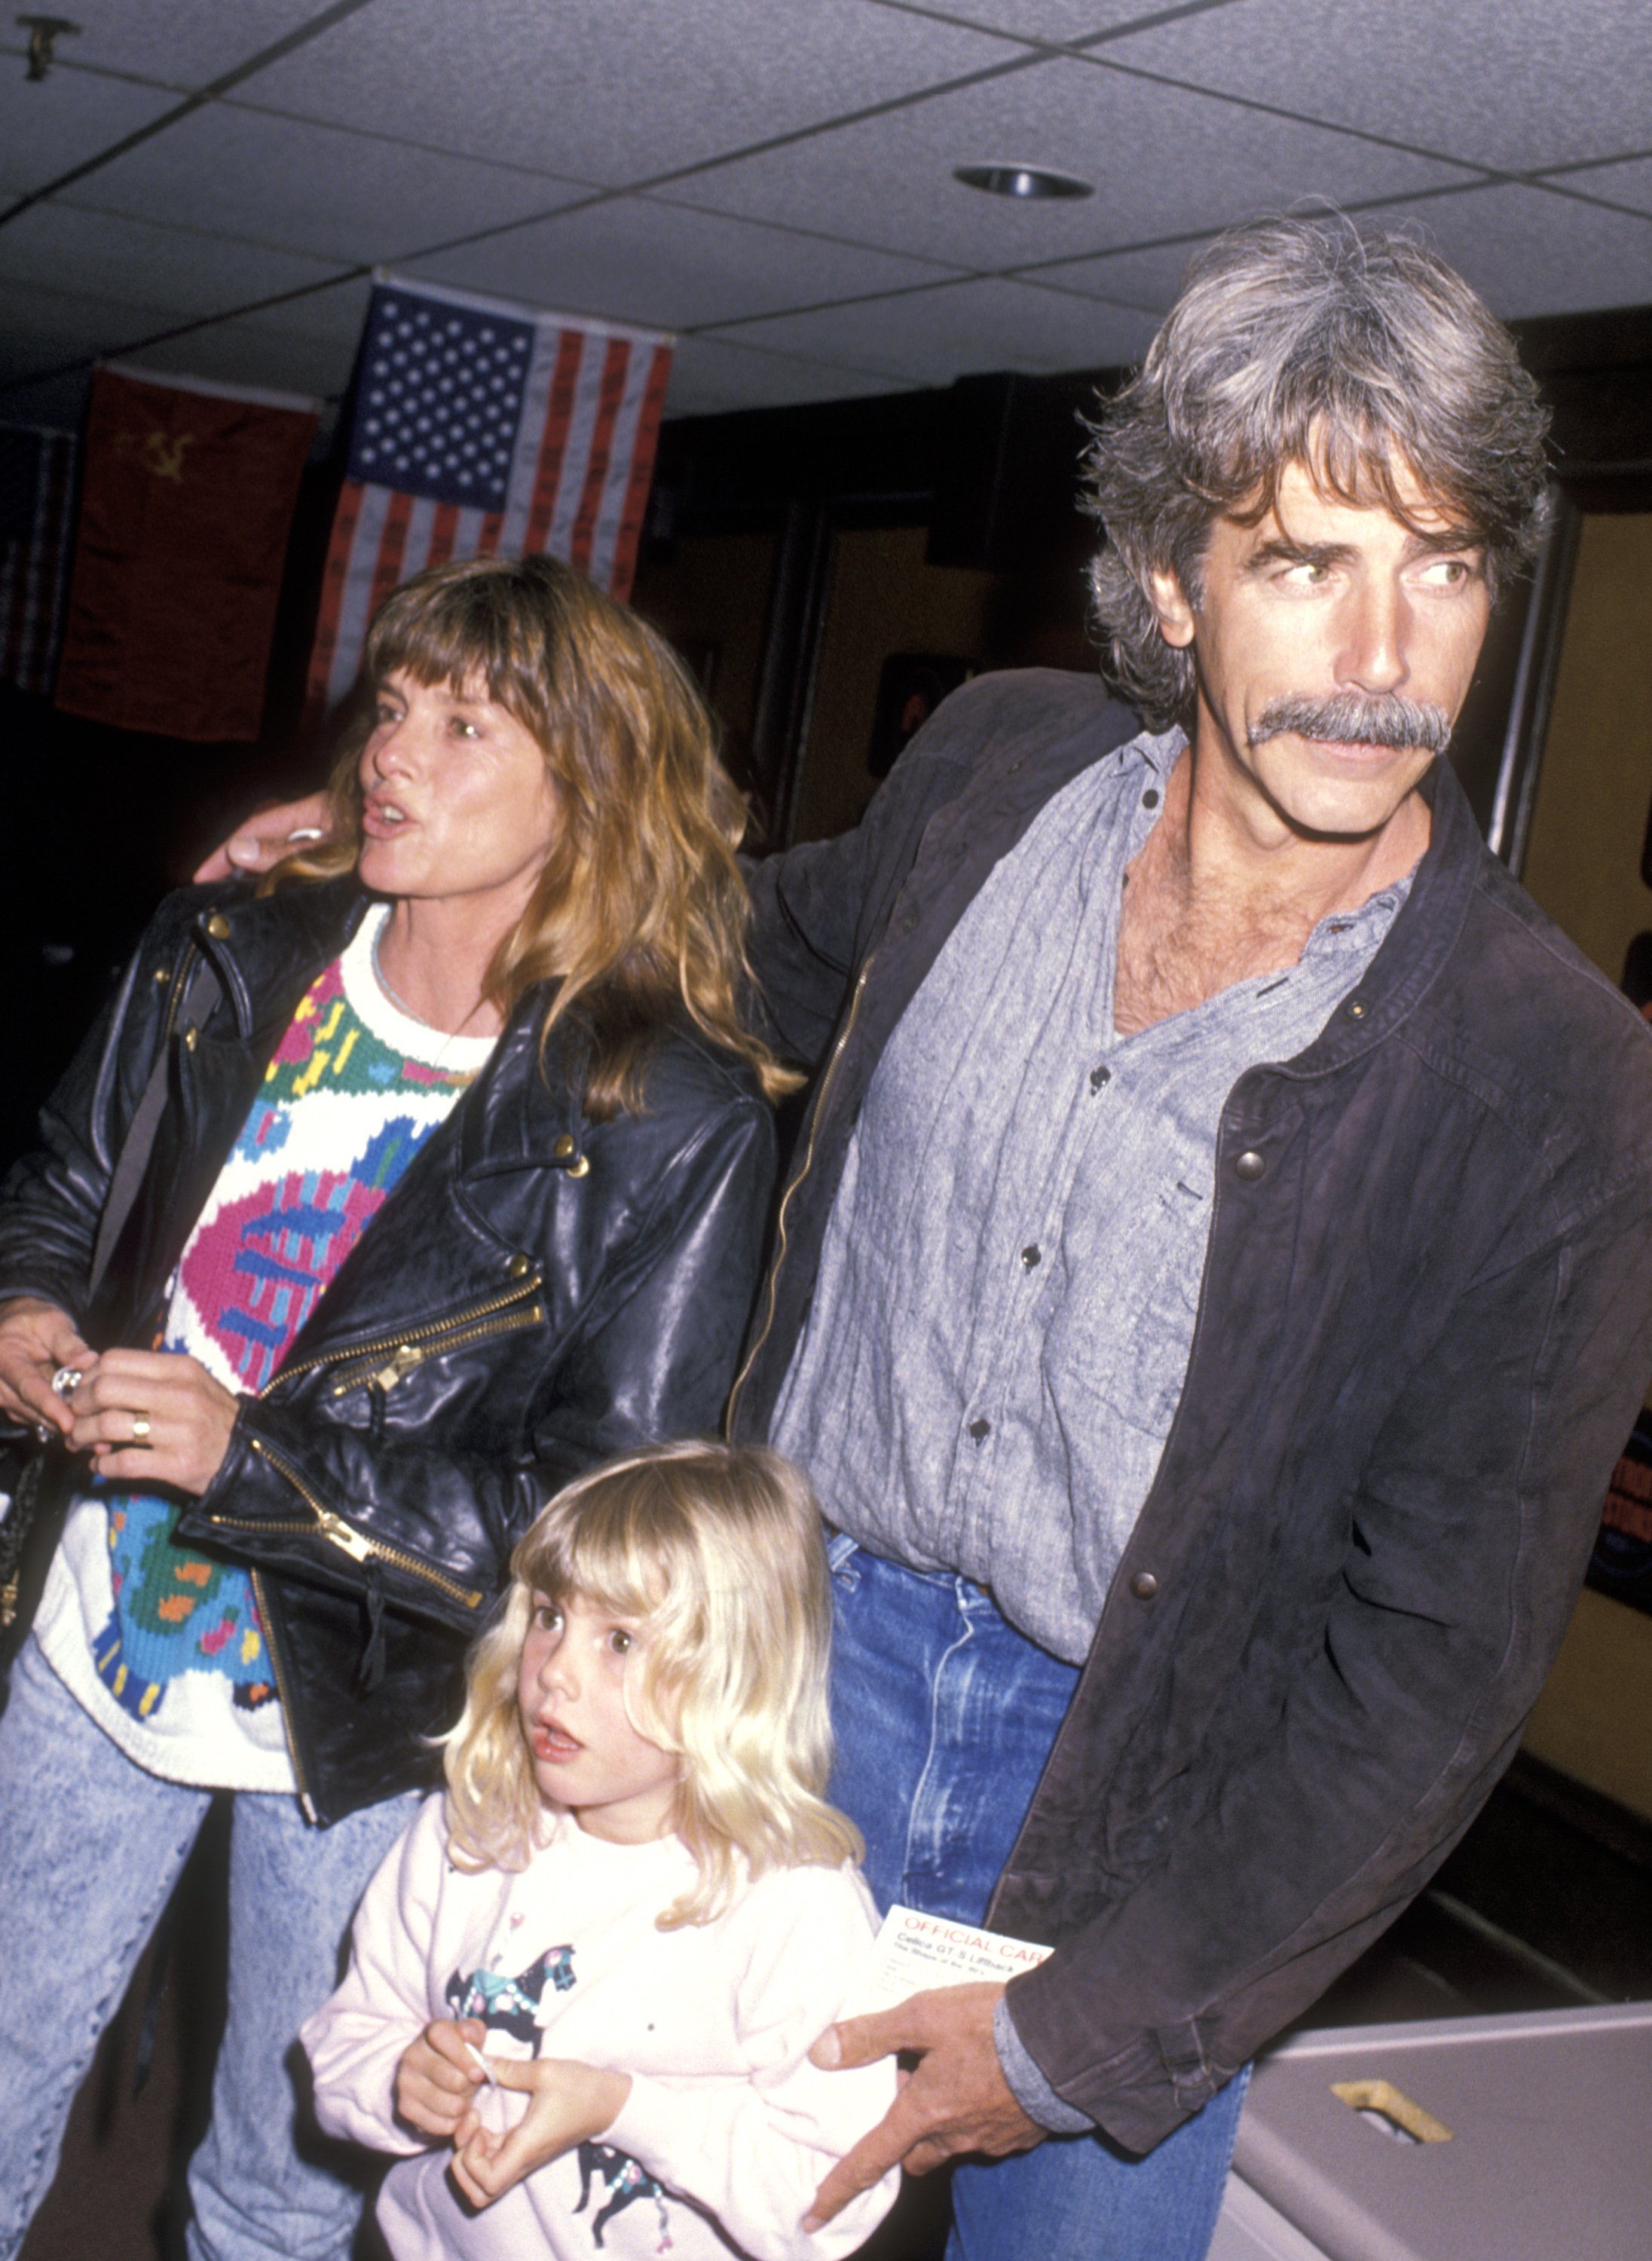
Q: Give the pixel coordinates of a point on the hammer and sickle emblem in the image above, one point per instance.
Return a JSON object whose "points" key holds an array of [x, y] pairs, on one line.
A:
{"points": [[165, 458]]}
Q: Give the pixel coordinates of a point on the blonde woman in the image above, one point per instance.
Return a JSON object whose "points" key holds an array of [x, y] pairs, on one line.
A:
{"points": [[459, 1190], [632, 1907]]}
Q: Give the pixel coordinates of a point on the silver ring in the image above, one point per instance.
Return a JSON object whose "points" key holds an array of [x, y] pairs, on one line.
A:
{"points": [[139, 1428]]}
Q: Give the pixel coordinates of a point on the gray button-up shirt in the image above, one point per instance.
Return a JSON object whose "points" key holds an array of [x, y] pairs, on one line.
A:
{"points": [[1011, 1268]]}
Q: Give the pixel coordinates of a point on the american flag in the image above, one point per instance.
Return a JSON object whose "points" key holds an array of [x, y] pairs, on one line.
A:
{"points": [[482, 428], [37, 492]]}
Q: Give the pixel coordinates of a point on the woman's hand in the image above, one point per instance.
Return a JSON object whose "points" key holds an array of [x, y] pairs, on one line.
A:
{"points": [[437, 2078], [36, 1338], [153, 1417], [568, 2103]]}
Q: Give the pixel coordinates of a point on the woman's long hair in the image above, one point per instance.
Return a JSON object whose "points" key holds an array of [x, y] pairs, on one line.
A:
{"points": [[718, 1549], [641, 909]]}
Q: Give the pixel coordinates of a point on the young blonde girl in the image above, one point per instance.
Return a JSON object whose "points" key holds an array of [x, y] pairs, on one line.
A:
{"points": [[632, 1907]]}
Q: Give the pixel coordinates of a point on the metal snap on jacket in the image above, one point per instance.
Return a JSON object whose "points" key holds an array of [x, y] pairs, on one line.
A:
{"points": [[520, 1267], [1144, 1586], [1249, 1166], [217, 927], [1030, 1254], [1356, 1010], [981, 1428]]}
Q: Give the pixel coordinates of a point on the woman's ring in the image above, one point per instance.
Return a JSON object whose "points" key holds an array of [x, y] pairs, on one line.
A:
{"points": [[139, 1428]]}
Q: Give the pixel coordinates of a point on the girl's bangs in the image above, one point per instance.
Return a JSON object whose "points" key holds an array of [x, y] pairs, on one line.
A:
{"points": [[601, 1557]]}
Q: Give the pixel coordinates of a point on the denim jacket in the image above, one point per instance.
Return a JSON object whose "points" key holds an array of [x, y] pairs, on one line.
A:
{"points": [[1423, 1331]]}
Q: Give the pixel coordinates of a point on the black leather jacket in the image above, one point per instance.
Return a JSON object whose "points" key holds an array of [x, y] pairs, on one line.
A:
{"points": [[1425, 1327], [537, 1293]]}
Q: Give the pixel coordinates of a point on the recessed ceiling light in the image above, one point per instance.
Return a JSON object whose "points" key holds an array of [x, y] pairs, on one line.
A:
{"points": [[1025, 180]]}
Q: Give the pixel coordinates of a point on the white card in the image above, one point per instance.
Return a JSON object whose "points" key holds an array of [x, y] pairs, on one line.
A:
{"points": [[913, 1952]]}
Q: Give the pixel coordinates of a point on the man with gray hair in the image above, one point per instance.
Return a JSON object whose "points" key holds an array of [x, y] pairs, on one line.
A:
{"points": [[1216, 1277], [1216, 1280]]}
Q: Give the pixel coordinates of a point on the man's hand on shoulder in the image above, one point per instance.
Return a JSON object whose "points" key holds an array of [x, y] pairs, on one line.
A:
{"points": [[265, 837], [955, 2100]]}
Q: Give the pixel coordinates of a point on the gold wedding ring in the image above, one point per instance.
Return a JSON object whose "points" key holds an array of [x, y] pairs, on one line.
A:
{"points": [[141, 1428]]}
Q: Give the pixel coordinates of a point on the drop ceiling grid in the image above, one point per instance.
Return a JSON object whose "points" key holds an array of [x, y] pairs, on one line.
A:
{"points": [[848, 253], [318, 189]]}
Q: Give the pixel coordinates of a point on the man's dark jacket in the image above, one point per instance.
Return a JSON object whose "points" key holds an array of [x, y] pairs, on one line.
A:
{"points": [[1424, 1328], [537, 1293]]}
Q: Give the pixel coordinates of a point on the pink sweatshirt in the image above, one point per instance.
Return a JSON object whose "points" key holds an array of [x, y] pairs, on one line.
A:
{"points": [[726, 2119]]}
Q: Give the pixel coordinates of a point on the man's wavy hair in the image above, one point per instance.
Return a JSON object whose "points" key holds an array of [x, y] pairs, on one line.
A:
{"points": [[1302, 340], [718, 1550], [641, 909]]}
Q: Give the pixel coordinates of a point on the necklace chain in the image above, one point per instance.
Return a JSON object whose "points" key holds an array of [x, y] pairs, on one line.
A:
{"points": [[404, 1007]]}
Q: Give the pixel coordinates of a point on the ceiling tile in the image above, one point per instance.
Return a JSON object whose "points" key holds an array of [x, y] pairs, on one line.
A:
{"points": [[48, 128], [339, 313], [929, 337], [1148, 277], [638, 260], [1513, 83], [1528, 252], [44, 326], [889, 181], [711, 376], [588, 91], [236, 353], [1629, 183], [1049, 19], [129, 261], [182, 43], [306, 188]]}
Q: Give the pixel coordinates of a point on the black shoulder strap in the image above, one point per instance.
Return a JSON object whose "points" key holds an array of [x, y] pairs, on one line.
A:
{"points": [[204, 991]]}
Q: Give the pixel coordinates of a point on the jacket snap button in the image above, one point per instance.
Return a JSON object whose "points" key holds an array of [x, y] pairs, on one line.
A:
{"points": [[1249, 1166], [1030, 1255], [519, 1267], [217, 927], [580, 1167], [1144, 1586], [1356, 1011], [564, 1147], [190, 1036], [981, 1428]]}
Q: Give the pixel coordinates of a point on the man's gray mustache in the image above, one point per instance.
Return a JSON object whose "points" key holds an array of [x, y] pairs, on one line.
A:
{"points": [[1349, 720]]}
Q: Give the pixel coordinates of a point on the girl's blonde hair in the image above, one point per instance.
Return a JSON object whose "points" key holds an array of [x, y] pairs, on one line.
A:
{"points": [[641, 907], [720, 1549]]}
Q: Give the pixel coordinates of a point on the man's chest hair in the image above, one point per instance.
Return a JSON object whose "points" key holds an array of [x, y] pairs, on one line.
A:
{"points": [[1179, 945]]}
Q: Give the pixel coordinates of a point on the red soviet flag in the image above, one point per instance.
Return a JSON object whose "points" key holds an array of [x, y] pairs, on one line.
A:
{"points": [[187, 500]]}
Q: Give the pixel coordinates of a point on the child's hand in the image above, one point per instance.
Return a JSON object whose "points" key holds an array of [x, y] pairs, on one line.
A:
{"points": [[438, 2077], [568, 2104]]}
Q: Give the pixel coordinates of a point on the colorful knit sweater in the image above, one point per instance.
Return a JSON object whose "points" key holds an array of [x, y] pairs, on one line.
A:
{"points": [[163, 1646]]}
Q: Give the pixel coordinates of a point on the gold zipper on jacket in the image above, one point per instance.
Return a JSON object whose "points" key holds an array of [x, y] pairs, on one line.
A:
{"points": [[333, 1527], [364, 1361], [265, 1620], [408, 1354], [803, 1170]]}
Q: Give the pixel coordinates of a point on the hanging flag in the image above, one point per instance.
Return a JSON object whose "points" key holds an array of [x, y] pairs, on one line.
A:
{"points": [[185, 507], [37, 488], [482, 428]]}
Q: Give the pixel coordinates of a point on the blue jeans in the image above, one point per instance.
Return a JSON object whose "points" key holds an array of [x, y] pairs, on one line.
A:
{"points": [[945, 1716], [91, 1847]]}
